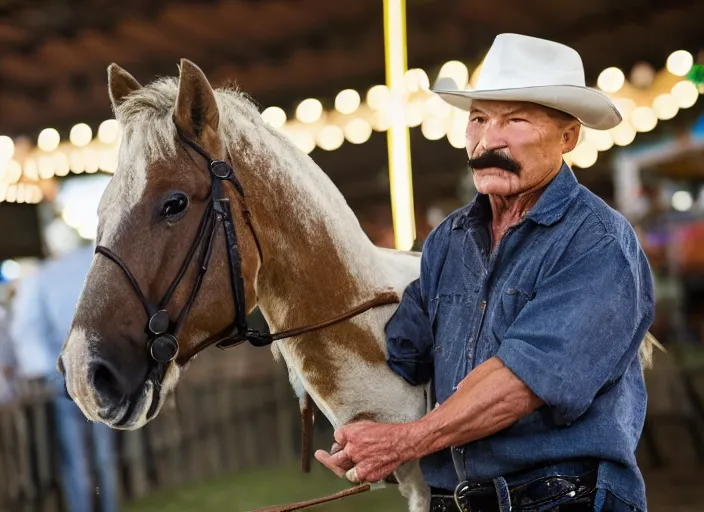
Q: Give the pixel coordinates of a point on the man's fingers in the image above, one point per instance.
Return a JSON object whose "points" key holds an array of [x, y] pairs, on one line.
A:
{"points": [[351, 475], [363, 472], [338, 463], [340, 436]]}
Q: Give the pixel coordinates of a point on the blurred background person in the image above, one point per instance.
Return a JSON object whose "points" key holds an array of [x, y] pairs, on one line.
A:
{"points": [[8, 361], [43, 310]]}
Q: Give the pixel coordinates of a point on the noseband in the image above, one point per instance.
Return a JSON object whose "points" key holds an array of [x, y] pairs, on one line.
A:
{"points": [[163, 332]]}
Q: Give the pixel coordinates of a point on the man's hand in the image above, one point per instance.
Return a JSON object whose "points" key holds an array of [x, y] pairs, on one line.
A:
{"points": [[368, 451]]}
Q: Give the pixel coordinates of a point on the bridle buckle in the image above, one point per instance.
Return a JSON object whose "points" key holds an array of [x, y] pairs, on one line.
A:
{"points": [[221, 169]]}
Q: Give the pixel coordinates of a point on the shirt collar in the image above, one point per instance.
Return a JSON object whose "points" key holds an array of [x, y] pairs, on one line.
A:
{"points": [[550, 208]]}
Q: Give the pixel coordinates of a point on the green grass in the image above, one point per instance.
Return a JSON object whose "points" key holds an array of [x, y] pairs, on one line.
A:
{"points": [[239, 492]]}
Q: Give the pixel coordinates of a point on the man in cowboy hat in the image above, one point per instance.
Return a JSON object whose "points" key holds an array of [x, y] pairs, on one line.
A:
{"points": [[528, 315]]}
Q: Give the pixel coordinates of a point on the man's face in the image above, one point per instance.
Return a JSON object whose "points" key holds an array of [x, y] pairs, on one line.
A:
{"points": [[516, 147]]}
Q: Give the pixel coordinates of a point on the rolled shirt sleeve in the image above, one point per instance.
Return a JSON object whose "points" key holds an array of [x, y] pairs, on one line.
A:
{"points": [[409, 338], [582, 328]]}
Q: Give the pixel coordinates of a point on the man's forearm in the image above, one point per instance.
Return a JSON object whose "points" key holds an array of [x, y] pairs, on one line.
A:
{"points": [[488, 400]]}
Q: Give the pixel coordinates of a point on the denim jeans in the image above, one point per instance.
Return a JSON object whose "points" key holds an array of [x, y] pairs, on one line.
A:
{"points": [[79, 490]]}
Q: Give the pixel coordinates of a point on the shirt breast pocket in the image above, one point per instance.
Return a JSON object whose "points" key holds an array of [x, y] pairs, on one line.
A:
{"points": [[449, 316], [513, 300]]}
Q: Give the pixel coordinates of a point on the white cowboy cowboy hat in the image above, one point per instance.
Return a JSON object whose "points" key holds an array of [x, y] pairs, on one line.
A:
{"points": [[524, 68]]}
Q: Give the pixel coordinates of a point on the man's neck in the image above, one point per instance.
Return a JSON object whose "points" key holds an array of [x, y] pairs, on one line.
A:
{"points": [[507, 211]]}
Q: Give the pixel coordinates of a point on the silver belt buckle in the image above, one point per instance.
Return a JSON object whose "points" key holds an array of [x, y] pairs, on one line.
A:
{"points": [[461, 491]]}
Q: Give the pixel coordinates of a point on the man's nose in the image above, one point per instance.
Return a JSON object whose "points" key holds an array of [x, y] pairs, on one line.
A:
{"points": [[493, 138]]}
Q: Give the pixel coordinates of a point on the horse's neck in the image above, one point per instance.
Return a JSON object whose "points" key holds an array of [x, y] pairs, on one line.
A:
{"points": [[318, 262]]}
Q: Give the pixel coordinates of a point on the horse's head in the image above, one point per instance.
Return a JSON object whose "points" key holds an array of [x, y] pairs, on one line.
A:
{"points": [[159, 224]]}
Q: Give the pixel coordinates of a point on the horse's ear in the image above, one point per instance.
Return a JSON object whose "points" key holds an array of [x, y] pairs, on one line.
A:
{"points": [[120, 84], [196, 110]]}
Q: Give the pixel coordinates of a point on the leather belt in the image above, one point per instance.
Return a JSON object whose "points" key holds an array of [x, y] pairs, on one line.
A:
{"points": [[567, 492]]}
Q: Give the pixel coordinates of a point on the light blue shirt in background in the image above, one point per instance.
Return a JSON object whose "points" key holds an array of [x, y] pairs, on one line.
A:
{"points": [[43, 311]]}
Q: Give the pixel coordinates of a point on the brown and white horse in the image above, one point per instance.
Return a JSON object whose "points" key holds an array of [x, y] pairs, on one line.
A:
{"points": [[314, 263]]}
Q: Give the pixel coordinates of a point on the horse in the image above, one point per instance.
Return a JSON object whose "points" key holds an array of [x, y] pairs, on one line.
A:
{"points": [[205, 189]]}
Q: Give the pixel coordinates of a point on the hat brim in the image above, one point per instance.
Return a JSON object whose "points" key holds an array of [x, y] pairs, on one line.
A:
{"points": [[592, 108]]}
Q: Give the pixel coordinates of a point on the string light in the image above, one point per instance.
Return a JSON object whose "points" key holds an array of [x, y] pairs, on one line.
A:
{"points": [[330, 137], [61, 164], [91, 161], [328, 130], [416, 80], [623, 134], [302, 139], [680, 62], [46, 167], [600, 139], [665, 106], [611, 80], [584, 155], [7, 148], [12, 172], [433, 128], [378, 97], [358, 131], [75, 161], [685, 93], [80, 135], [682, 200], [30, 170], [644, 119], [275, 116], [414, 114], [347, 101], [309, 110], [457, 71], [48, 139], [108, 131], [380, 120]]}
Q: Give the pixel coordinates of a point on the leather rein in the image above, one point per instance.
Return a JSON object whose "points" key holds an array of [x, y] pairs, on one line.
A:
{"points": [[163, 330]]}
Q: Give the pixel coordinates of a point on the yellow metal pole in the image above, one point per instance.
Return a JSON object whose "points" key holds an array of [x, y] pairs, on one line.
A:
{"points": [[398, 137]]}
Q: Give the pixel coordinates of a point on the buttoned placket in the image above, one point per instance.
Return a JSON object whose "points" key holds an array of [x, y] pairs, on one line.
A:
{"points": [[459, 453]]}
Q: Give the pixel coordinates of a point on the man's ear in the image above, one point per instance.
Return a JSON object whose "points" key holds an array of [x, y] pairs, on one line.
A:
{"points": [[570, 136]]}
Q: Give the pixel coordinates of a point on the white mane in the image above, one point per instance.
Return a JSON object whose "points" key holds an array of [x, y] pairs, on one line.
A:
{"points": [[149, 134]]}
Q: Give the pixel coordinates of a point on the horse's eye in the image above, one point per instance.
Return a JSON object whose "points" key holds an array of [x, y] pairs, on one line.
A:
{"points": [[175, 206]]}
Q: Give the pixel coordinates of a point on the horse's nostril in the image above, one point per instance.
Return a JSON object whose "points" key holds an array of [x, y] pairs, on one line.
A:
{"points": [[107, 384]]}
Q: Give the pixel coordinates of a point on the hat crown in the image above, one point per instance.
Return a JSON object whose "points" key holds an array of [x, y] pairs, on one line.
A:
{"points": [[517, 61]]}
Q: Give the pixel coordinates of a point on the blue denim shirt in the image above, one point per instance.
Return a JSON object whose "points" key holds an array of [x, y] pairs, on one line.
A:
{"points": [[564, 301]]}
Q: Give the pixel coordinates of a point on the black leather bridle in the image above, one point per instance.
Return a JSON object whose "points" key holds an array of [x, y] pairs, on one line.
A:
{"points": [[162, 330]]}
